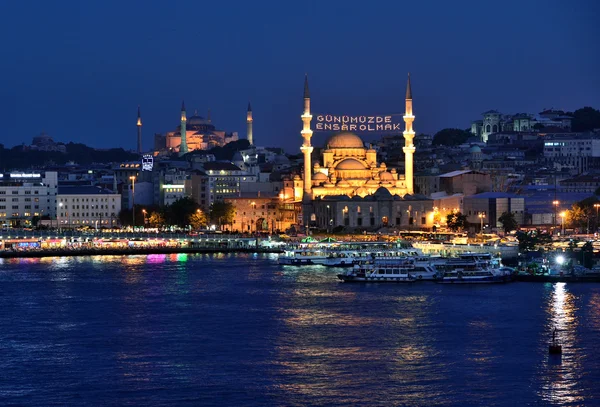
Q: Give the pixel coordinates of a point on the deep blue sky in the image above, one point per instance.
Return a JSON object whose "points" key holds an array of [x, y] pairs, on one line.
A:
{"points": [[79, 69]]}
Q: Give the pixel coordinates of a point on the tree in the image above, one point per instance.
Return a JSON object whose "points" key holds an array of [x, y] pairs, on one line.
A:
{"points": [[585, 119], [198, 219], [179, 212], [528, 241], [509, 223], [222, 212], [156, 219], [456, 221], [451, 137], [577, 216], [587, 254]]}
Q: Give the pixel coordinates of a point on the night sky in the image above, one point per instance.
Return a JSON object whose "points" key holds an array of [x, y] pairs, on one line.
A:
{"points": [[79, 71]]}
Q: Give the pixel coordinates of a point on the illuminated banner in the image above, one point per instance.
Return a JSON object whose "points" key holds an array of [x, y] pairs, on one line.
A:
{"points": [[147, 162], [328, 122]]}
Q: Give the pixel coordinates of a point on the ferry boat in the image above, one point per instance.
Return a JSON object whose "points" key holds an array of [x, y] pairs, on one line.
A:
{"points": [[383, 273], [347, 257], [303, 256], [466, 271], [342, 254]]}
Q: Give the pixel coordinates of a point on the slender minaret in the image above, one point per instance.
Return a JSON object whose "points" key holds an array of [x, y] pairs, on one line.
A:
{"points": [[183, 148], [409, 135], [249, 124], [139, 128], [208, 117], [306, 148]]}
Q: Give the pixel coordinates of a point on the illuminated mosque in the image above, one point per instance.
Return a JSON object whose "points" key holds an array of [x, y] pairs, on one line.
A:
{"points": [[196, 133], [350, 188]]}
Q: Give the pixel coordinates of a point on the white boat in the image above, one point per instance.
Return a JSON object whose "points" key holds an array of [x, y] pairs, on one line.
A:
{"points": [[342, 254], [303, 256], [465, 271], [346, 257], [368, 272]]}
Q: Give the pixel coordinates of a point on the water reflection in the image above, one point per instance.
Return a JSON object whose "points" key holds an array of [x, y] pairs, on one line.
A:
{"points": [[561, 374]]}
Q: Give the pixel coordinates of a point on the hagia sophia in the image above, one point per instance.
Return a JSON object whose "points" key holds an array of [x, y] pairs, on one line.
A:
{"points": [[195, 133], [350, 188]]}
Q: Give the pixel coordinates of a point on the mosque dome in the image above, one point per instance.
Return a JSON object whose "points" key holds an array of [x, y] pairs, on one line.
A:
{"points": [[296, 177], [372, 183], [328, 185], [475, 149], [196, 120], [345, 140], [343, 184], [350, 164], [386, 176], [319, 176]]}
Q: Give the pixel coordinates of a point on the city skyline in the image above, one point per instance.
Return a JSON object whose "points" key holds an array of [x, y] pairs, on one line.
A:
{"points": [[93, 78]]}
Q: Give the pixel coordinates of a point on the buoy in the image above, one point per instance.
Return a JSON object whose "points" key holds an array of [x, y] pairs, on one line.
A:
{"points": [[554, 348]]}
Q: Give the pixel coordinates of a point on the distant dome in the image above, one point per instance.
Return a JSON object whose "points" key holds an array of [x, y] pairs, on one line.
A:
{"points": [[195, 120], [345, 140], [319, 176], [475, 149], [343, 184], [350, 164], [386, 176]]}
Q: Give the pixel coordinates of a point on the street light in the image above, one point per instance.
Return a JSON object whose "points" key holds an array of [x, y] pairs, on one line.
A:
{"points": [[562, 215], [481, 216], [144, 214], [597, 205], [132, 178], [60, 224], [555, 203], [253, 204]]}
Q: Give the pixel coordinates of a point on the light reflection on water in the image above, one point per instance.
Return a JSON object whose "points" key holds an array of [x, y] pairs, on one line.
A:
{"points": [[562, 373], [241, 330]]}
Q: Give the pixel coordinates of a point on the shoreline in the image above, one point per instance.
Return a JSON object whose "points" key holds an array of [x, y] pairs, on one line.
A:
{"points": [[135, 251]]}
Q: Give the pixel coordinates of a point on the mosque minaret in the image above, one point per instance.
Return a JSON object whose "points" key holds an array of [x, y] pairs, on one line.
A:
{"points": [[183, 149], [249, 124], [139, 131], [306, 148], [409, 135]]}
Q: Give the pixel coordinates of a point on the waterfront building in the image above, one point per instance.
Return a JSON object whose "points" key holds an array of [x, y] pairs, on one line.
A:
{"points": [[263, 214], [27, 195], [87, 206], [491, 205], [216, 182]]}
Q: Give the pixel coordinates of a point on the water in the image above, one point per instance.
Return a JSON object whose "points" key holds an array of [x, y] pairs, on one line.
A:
{"points": [[241, 330]]}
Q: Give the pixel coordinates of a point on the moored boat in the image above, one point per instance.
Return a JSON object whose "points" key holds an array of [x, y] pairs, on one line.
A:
{"points": [[392, 273], [465, 271]]}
